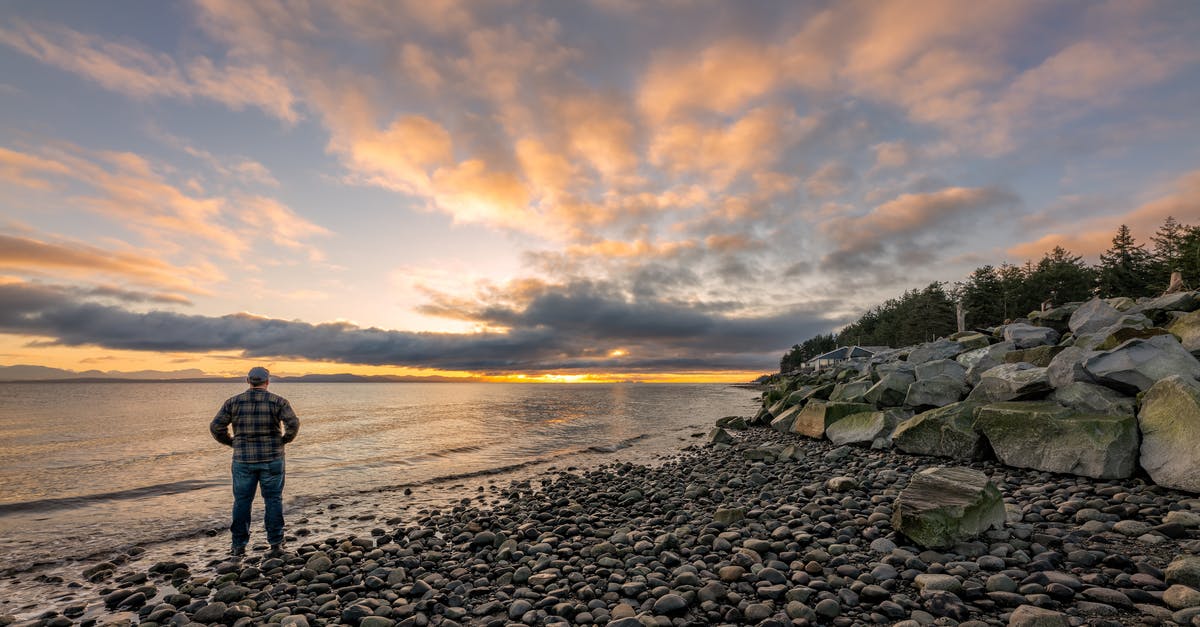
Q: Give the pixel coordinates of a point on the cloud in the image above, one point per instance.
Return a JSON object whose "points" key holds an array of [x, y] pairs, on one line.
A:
{"points": [[137, 195], [829, 180], [892, 154], [898, 223], [27, 170], [140, 73], [750, 144], [82, 260], [571, 327], [723, 77]]}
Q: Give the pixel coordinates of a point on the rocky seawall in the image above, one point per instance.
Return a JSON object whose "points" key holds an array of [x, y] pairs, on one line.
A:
{"points": [[1102, 389]]}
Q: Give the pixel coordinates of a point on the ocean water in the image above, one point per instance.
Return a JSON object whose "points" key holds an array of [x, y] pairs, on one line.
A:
{"points": [[87, 469]]}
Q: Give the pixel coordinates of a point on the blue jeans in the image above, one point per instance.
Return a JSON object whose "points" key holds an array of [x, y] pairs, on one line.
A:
{"points": [[246, 479]]}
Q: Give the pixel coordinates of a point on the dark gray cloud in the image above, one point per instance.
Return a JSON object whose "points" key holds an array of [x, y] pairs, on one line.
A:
{"points": [[555, 328]]}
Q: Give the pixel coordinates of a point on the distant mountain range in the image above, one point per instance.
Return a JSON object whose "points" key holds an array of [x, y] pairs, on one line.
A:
{"points": [[26, 373]]}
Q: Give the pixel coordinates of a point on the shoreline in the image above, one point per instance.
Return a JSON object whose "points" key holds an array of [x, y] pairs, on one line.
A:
{"points": [[623, 540]]}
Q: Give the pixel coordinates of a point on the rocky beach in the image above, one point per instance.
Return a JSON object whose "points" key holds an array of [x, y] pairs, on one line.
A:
{"points": [[1038, 473]]}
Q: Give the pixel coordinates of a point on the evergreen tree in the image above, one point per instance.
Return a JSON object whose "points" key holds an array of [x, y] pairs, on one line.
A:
{"points": [[1168, 252], [1014, 298], [982, 295], [1189, 256], [1060, 277], [1125, 268]]}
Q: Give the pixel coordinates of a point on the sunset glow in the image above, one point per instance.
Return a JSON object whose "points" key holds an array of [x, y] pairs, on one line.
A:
{"points": [[567, 192]]}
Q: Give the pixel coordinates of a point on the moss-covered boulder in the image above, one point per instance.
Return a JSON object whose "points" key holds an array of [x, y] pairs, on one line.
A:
{"points": [[851, 391], [1089, 398], [944, 506], [1047, 436], [937, 349], [1170, 424], [1039, 355], [784, 421], [891, 389], [1124, 334], [1187, 329], [817, 415], [936, 392], [1011, 382], [872, 429], [972, 341], [945, 432]]}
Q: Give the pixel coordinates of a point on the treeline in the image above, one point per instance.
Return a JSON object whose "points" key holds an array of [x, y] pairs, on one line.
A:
{"points": [[990, 294]]}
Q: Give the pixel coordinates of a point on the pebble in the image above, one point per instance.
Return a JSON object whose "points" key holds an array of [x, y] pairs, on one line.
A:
{"points": [[712, 536]]}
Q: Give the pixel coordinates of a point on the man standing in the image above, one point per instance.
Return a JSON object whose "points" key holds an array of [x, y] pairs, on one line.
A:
{"points": [[257, 444]]}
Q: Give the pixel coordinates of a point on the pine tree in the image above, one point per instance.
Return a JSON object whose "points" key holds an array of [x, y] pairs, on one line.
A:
{"points": [[1060, 277], [1125, 268], [1168, 252], [982, 295]]}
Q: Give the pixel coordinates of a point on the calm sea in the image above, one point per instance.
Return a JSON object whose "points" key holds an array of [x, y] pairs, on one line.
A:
{"points": [[89, 468]]}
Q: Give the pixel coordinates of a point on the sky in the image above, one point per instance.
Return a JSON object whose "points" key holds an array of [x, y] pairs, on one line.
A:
{"points": [[589, 190]]}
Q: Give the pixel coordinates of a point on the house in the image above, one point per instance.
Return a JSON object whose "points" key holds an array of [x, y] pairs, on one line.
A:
{"points": [[844, 353]]}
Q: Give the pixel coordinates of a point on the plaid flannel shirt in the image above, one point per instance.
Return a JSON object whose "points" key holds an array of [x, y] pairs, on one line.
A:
{"points": [[255, 415]]}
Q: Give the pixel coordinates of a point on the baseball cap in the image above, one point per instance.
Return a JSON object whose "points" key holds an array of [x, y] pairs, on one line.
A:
{"points": [[258, 374]]}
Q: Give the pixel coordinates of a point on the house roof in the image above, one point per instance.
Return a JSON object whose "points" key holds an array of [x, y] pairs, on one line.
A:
{"points": [[846, 352]]}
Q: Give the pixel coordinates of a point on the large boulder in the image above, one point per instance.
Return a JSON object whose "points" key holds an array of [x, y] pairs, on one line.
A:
{"points": [[1125, 328], [972, 341], [1057, 318], [1136, 365], [851, 391], [1158, 309], [980, 361], [1039, 355], [783, 423], [1093, 316], [891, 389], [1089, 398], [941, 368], [873, 429], [1067, 367], [1028, 336], [805, 392], [936, 392], [1187, 329], [942, 507], [938, 349], [1011, 382], [946, 432], [1124, 334], [1047, 436], [817, 415], [1170, 424]]}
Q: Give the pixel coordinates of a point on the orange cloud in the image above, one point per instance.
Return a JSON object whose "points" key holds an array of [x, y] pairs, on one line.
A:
{"points": [[129, 189], [749, 145], [28, 170], [910, 213], [81, 260], [723, 78], [474, 194], [401, 155]]}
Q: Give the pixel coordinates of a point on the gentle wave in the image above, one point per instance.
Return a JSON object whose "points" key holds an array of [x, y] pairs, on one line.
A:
{"points": [[161, 489]]}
